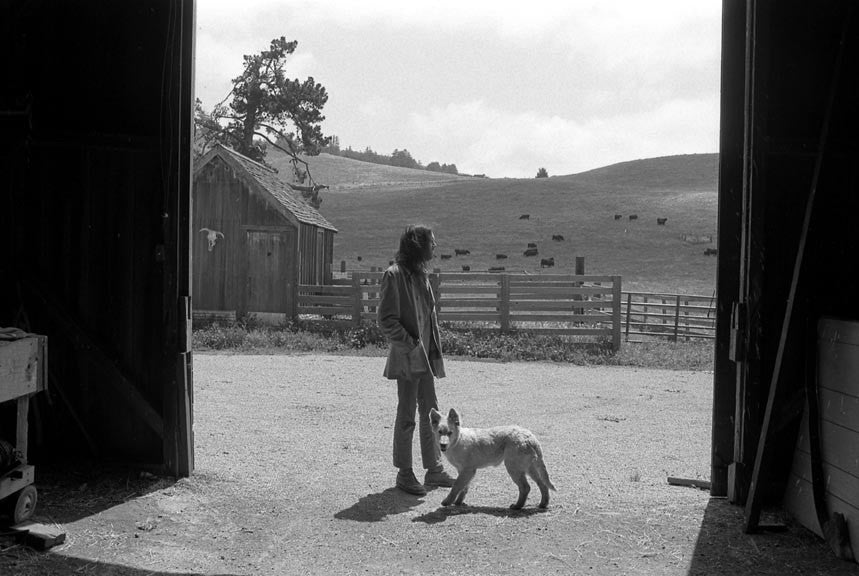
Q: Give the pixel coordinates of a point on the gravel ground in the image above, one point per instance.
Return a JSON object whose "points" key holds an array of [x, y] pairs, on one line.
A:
{"points": [[293, 476]]}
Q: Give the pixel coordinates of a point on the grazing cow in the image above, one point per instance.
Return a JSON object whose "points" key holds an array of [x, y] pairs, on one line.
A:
{"points": [[465, 268], [359, 258], [500, 256], [530, 252], [446, 256], [496, 269], [461, 252], [633, 216], [661, 221], [525, 217], [618, 216], [532, 245], [711, 251], [557, 238], [547, 262]]}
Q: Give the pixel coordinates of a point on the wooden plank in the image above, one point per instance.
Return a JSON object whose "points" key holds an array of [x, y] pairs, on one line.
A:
{"points": [[325, 289], [316, 299], [572, 331], [326, 310], [220, 315], [554, 306], [839, 483], [40, 536], [471, 303], [839, 356], [582, 318], [448, 316], [838, 446], [840, 409], [469, 289]]}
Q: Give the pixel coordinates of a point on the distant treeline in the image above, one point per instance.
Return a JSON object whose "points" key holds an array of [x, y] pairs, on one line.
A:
{"points": [[401, 158]]}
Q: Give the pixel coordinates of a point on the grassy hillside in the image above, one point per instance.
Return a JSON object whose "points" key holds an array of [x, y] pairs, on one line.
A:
{"points": [[345, 173], [482, 215]]}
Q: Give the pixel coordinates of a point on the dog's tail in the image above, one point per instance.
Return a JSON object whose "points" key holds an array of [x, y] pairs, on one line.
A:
{"points": [[540, 468]]}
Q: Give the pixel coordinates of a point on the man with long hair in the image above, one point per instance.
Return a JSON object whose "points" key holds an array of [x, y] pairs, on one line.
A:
{"points": [[407, 316]]}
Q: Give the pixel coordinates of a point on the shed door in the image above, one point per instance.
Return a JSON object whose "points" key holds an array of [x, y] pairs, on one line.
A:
{"points": [[270, 264]]}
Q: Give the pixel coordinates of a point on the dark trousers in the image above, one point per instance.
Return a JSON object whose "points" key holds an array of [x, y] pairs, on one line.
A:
{"points": [[417, 392]]}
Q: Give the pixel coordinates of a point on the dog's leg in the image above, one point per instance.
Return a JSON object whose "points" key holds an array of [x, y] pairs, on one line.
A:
{"points": [[460, 488], [537, 474], [521, 481]]}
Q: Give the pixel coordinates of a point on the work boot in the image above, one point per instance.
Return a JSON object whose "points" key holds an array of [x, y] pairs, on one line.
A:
{"points": [[438, 478], [407, 482]]}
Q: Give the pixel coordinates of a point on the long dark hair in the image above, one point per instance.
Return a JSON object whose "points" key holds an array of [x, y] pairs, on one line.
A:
{"points": [[415, 251]]}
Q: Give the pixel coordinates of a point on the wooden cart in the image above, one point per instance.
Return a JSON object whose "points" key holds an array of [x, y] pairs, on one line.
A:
{"points": [[23, 373]]}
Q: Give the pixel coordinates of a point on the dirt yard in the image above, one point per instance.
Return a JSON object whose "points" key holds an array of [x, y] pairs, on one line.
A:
{"points": [[293, 476]]}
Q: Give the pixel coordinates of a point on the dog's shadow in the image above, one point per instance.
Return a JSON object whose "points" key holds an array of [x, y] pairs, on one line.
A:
{"points": [[376, 507], [443, 513]]}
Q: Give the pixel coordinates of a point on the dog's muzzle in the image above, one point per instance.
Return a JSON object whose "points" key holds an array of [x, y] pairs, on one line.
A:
{"points": [[443, 442]]}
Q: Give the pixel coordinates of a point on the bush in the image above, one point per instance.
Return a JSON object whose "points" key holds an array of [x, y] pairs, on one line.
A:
{"points": [[485, 343]]}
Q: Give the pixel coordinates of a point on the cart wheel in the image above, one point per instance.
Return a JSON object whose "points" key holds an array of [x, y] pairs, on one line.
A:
{"points": [[22, 504]]}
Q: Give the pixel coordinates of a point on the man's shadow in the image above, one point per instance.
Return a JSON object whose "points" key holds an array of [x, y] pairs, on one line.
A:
{"points": [[376, 507]]}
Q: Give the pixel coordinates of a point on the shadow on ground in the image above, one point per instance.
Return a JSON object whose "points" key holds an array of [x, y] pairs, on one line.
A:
{"points": [[445, 512], [72, 493], [723, 548], [376, 507]]}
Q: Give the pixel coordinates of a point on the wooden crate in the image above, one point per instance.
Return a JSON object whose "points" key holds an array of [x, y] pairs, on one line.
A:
{"points": [[23, 366], [23, 372]]}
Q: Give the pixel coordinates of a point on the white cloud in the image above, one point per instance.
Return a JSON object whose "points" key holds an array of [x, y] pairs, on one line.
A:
{"points": [[504, 143]]}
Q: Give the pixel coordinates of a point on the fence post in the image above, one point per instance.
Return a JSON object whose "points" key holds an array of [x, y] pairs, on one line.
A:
{"points": [[357, 304], [505, 302], [677, 317], [615, 313], [628, 313], [580, 271]]}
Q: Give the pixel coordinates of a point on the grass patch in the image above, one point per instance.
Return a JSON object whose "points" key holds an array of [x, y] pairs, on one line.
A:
{"points": [[478, 343]]}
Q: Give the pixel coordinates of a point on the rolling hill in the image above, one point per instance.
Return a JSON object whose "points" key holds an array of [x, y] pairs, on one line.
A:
{"points": [[370, 204]]}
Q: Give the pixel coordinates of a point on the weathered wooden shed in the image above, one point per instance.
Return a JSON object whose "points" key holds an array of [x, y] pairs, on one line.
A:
{"points": [[255, 239]]}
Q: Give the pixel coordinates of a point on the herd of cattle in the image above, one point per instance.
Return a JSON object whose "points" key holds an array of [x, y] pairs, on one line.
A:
{"points": [[531, 250]]}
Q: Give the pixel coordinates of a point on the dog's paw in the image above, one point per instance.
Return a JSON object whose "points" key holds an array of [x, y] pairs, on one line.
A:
{"points": [[447, 502]]}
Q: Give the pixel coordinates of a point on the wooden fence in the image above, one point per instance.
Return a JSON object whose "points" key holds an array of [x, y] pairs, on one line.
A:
{"points": [[588, 306], [672, 316]]}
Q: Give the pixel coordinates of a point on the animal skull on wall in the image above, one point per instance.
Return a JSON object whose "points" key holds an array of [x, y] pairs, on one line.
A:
{"points": [[212, 236]]}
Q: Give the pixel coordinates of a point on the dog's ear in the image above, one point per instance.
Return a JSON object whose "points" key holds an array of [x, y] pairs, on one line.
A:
{"points": [[453, 416], [435, 416]]}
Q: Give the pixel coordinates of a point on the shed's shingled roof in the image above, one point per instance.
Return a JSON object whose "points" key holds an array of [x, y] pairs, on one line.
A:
{"points": [[267, 180]]}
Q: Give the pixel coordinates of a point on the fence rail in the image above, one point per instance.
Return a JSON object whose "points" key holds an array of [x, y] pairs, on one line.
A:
{"points": [[552, 304], [590, 306], [675, 316]]}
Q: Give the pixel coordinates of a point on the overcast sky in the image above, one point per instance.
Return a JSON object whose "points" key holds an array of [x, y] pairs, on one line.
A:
{"points": [[495, 87]]}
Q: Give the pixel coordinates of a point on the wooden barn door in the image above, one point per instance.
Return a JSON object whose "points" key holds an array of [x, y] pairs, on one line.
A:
{"points": [[269, 266]]}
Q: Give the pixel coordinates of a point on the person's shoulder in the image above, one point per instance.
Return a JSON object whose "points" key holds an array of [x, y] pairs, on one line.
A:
{"points": [[393, 270]]}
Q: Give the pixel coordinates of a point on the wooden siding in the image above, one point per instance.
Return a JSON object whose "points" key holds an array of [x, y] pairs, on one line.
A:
{"points": [[838, 401]]}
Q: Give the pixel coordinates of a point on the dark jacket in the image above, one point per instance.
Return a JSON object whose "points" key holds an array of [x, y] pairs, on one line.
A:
{"points": [[398, 319]]}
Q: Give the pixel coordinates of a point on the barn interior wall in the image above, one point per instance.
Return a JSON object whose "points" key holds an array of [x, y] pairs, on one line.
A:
{"points": [[92, 211], [790, 68]]}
